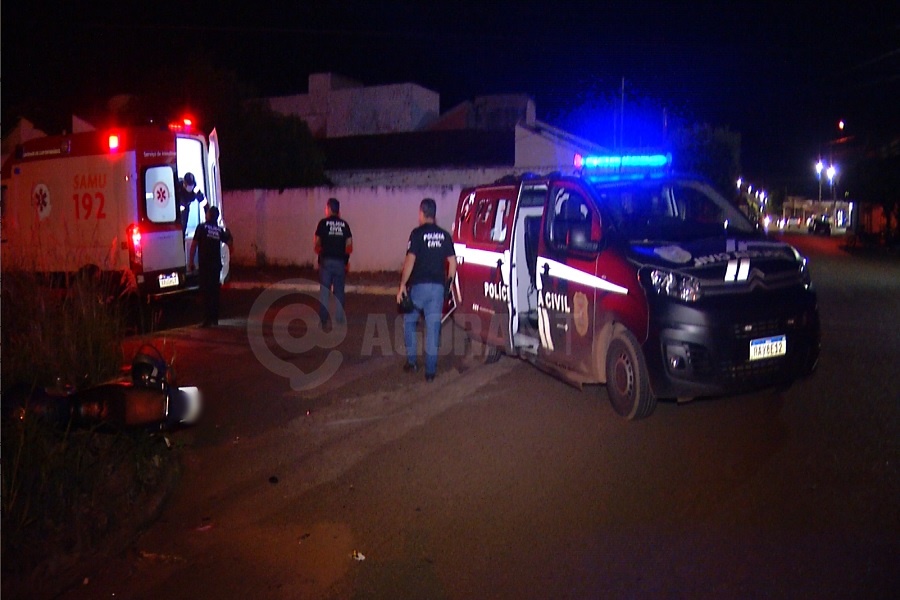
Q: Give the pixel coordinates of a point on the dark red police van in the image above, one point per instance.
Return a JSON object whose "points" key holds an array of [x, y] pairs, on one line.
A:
{"points": [[629, 275]]}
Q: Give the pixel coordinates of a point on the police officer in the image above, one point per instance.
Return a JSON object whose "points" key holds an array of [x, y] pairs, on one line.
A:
{"points": [[429, 268], [333, 244], [209, 237]]}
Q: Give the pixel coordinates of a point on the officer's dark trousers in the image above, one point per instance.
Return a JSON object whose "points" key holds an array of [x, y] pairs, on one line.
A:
{"points": [[209, 290], [332, 274]]}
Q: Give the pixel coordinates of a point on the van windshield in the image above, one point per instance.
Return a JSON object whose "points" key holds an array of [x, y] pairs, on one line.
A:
{"points": [[667, 210]]}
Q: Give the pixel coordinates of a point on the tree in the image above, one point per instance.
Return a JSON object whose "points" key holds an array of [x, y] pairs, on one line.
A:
{"points": [[270, 150], [876, 179], [260, 148], [712, 152]]}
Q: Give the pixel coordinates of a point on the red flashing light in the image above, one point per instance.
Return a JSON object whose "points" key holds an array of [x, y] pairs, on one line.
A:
{"points": [[578, 161], [134, 234], [183, 126], [113, 142]]}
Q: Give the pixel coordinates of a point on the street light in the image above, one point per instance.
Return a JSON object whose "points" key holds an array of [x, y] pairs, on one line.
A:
{"points": [[819, 167], [831, 172]]}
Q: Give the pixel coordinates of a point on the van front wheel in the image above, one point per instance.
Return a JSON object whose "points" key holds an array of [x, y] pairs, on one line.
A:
{"points": [[626, 378]]}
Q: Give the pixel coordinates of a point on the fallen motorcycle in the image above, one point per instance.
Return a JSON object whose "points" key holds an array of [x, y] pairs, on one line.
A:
{"points": [[149, 399]]}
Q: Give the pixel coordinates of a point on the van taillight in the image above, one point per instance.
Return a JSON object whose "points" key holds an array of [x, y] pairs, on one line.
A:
{"points": [[134, 236]]}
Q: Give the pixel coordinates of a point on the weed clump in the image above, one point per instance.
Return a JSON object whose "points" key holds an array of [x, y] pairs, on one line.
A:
{"points": [[67, 492]]}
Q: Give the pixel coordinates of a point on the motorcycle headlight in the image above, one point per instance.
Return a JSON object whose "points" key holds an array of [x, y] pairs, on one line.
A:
{"points": [[675, 285]]}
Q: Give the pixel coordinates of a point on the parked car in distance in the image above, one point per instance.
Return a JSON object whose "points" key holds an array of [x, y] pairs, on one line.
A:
{"points": [[820, 225]]}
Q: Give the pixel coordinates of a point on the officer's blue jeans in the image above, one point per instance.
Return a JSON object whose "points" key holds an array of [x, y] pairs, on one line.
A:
{"points": [[429, 299], [332, 275]]}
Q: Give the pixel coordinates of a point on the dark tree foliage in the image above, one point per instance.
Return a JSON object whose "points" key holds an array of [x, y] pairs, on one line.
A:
{"points": [[875, 179], [260, 148], [264, 149], [712, 152]]}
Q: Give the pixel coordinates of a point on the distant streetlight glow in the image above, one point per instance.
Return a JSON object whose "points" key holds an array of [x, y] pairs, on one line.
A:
{"points": [[739, 182], [832, 173], [841, 124], [819, 167]]}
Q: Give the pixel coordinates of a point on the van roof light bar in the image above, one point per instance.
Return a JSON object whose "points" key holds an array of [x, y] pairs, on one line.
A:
{"points": [[623, 166]]}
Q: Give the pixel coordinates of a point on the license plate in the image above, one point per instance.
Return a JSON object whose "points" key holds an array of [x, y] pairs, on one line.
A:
{"points": [[166, 281], [769, 347]]}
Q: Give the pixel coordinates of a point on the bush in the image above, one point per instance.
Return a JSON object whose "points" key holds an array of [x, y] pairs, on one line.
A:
{"points": [[65, 492], [67, 337]]}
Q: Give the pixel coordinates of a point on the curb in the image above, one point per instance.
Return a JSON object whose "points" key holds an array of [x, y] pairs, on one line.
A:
{"points": [[362, 289]]}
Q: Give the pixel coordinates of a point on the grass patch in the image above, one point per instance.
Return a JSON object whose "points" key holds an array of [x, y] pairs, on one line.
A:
{"points": [[66, 492]]}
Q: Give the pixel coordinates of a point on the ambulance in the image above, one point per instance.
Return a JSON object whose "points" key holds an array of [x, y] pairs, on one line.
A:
{"points": [[107, 202], [627, 274]]}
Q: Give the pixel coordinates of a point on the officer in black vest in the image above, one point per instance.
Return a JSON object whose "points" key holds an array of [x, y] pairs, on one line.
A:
{"points": [[333, 244], [429, 268], [208, 238]]}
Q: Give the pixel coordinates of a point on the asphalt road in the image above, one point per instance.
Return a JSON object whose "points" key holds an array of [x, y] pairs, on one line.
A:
{"points": [[497, 481]]}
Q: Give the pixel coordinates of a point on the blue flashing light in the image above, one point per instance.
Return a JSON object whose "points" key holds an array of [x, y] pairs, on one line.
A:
{"points": [[627, 166], [610, 177], [630, 161]]}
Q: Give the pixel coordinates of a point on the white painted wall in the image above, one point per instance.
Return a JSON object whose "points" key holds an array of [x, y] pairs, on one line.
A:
{"points": [[281, 226]]}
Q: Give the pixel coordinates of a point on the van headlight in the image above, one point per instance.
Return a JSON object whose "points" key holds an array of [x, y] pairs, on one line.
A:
{"points": [[803, 264], [675, 285]]}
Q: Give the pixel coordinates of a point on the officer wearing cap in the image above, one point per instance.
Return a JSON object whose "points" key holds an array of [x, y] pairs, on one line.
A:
{"points": [[429, 267], [208, 239]]}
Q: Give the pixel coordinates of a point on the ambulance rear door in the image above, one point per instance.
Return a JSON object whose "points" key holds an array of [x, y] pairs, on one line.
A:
{"points": [[160, 237], [215, 194], [192, 157]]}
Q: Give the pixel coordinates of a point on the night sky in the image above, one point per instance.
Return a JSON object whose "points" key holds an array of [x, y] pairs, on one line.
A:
{"points": [[780, 73]]}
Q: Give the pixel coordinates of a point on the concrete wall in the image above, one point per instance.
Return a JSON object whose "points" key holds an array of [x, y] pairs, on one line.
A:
{"points": [[278, 228]]}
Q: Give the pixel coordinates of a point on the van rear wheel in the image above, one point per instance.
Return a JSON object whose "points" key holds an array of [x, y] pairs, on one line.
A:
{"points": [[626, 378], [491, 354], [477, 352]]}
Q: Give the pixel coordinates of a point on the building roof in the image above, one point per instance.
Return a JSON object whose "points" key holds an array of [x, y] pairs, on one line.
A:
{"points": [[421, 149]]}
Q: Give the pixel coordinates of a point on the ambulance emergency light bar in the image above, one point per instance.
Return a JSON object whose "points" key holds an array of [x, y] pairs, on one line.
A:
{"points": [[185, 125], [626, 166]]}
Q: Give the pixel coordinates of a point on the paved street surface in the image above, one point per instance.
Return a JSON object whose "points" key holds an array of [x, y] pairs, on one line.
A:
{"points": [[498, 481]]}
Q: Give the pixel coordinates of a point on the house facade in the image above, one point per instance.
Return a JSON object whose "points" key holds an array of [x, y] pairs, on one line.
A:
{"points": [[395, 135]]}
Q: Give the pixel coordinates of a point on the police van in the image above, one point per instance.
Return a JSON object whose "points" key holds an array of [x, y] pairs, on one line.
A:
{"points": [[626, 274], [107, 202]]}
